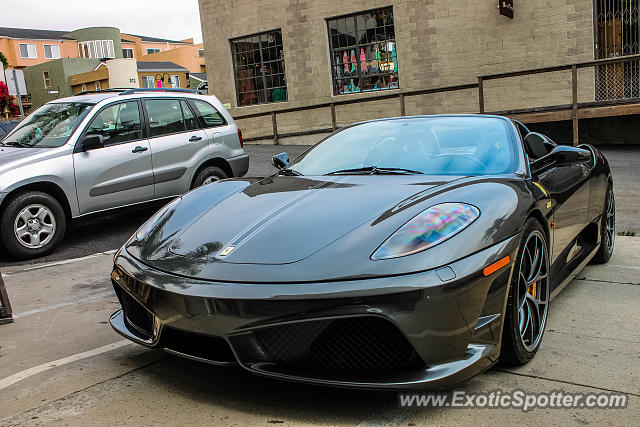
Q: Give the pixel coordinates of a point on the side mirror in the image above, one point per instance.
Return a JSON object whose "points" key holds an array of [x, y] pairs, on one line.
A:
{"points": [[280, 161], [92, 142], [566, 155], [561, 155]]}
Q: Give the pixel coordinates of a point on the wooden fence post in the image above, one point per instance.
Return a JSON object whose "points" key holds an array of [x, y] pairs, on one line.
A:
{"points": [[481, 95], [574, 96], [274, 123], [5, 306]]}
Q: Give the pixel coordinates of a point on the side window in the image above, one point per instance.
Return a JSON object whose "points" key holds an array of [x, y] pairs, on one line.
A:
{"points": [[165, 116], [117, 123], [208, 115], [189, 118]]}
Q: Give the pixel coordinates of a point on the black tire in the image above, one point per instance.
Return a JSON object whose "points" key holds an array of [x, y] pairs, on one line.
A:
{"points": [[515, 351], [607, 235], [53, 218], [208, 173]]}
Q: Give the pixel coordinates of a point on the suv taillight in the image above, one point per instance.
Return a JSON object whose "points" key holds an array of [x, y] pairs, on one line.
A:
{"points": [[240, 138]]}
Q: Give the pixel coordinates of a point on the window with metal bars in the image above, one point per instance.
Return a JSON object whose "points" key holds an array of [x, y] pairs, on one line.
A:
{"points": [[617, 34], [258, 65], [363, 52]]}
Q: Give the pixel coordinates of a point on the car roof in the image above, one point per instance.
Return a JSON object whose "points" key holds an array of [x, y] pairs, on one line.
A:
{"points": [[93, 97]]}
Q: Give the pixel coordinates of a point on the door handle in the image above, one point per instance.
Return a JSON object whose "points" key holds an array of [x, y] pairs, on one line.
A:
{"points": [[195, 138], [139, 149]]}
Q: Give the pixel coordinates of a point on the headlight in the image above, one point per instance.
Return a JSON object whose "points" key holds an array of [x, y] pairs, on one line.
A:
{"points": [[144, 230], [427, 229]]}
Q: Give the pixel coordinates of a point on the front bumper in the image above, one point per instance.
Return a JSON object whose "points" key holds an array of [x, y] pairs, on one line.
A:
{"points": [[427, 330]]}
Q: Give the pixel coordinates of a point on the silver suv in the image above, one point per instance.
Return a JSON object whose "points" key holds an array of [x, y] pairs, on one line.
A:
{"points": [[98, 151]]}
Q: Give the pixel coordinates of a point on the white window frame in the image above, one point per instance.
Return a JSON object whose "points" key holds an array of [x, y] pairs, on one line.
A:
{"points": [[54, 49], [46, 77], [98, 85], [28, 45], [145, 79], [154, 49], [129, 49], [97, 49], [83, 88], [175, 81]]}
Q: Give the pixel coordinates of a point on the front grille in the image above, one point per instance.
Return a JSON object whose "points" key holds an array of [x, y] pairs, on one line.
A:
{"points": [[193, 344], [351, 344], [136, 316]]}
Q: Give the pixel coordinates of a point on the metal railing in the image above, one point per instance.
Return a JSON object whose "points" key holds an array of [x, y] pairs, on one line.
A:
{"points": [[552, 93]]}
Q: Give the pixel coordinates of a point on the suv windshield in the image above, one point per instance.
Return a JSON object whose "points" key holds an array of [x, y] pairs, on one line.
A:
{"points": [[421, 145], [49, 126]]}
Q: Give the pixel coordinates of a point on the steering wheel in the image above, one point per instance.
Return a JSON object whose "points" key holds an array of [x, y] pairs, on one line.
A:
{"points": [[467, 157]]}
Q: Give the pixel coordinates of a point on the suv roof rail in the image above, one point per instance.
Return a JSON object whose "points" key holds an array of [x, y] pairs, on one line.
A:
{"points": [[113, 89], [163, 89]]}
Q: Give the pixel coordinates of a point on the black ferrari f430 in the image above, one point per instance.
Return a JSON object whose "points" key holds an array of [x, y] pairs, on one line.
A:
{"points": [[403, 253]]}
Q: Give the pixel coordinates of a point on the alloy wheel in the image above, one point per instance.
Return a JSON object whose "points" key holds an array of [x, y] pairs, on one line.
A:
{"points": [[610, 221], [210, 180], [533, 291], [35, 226]]}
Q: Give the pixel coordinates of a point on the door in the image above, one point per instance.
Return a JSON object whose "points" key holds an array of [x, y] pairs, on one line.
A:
{"points": [[179, 145], [121, 172]]}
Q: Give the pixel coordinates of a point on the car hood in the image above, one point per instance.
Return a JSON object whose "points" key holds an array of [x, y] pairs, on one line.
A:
{"points": [[286, 219], [12, 157], [300, 229]]}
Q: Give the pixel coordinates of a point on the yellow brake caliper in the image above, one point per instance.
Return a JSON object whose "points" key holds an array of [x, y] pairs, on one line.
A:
{"points": [[533, 289]]}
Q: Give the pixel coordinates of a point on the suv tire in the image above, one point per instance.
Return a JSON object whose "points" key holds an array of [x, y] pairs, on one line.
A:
{"points": [[32, 224], [208, 175]]}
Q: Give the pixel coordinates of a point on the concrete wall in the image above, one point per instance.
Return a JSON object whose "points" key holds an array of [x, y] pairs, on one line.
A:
{"points": [[123, 73], [439, 43]]}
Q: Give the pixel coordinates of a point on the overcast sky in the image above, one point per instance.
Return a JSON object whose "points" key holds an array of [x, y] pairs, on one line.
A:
{"points": [[175, 20]]}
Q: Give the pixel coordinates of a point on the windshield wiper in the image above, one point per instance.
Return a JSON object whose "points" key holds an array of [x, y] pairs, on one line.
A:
{"points": [[16, 144], [289, 172], [372, 170]]}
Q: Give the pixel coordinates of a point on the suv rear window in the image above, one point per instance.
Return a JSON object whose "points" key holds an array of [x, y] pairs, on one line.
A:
{"points": [[208, 115], [167, 116]]}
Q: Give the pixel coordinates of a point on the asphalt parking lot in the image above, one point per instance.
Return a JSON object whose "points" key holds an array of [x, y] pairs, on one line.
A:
{"points": [[61, 362]]}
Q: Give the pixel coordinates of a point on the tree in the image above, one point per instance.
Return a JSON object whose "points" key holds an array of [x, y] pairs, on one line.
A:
{"points": [[4, 60], [6, 101]]}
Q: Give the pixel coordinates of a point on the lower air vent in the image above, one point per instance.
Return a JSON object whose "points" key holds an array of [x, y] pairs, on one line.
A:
{"points": [[350, 344]]}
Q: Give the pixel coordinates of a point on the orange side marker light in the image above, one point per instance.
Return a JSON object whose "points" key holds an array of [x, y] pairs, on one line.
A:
{"points": [[496, 266]]}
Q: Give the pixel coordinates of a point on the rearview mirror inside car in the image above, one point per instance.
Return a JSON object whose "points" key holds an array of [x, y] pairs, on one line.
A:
{"points": [[281, 161], [91, 142]]}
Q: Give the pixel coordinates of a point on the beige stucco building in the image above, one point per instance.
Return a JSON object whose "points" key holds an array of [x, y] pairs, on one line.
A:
{"points": [[302, 52]]}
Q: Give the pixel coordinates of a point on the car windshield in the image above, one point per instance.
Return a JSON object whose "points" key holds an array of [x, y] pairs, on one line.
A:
{"points": [[49, 126], [423, 145]]}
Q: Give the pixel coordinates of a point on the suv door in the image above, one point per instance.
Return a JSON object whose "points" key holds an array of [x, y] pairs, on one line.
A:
{"points": [[119, 173], [179, 145]]}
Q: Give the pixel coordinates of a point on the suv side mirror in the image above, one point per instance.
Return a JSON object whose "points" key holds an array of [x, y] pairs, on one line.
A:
{"points": [[92, 142], [281, 161]]}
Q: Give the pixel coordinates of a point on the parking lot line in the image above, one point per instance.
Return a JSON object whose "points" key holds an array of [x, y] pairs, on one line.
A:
{"points": [[105, 294], [62, 262], [10, 380]]}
